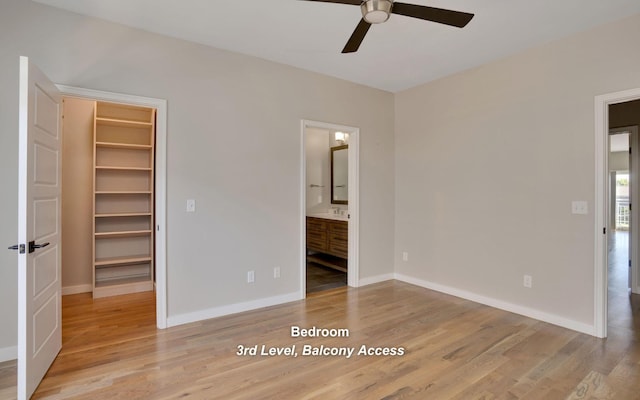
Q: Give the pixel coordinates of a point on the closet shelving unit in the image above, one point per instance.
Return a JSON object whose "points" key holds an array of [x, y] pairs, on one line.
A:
{"points": [[123, 187]]}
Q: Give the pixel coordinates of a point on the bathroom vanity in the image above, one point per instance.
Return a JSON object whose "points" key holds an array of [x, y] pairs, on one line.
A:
{"points": [[328, 240]]}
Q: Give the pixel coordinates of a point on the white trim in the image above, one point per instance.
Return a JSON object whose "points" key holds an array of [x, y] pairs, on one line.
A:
{"points": [[303, 212], [215, 312], [353, 274], [23, 338], [601, 202], [502, 305], [161, 182], [353, 266], [376, 279], [87, 288], [8, 353]]}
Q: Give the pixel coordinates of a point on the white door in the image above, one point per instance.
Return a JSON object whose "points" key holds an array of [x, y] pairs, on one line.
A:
{"points": [[39, 291]]}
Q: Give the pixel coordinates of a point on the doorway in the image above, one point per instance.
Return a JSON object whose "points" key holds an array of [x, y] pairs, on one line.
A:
{"points": [[623, 225], [615, 110], [159, 204], [329, 206]]}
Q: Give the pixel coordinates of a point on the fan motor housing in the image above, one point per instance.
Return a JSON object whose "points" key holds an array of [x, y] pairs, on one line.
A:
{"points": [[376, 11]]}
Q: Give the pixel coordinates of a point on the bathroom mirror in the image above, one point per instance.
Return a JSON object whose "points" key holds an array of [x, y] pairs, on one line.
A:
{"points": [[339, 174]]}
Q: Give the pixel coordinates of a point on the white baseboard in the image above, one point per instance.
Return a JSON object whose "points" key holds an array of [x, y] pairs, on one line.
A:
{"points": [[231, 309], [77, 289], [8, 353], [503, 305], [375, 279]]}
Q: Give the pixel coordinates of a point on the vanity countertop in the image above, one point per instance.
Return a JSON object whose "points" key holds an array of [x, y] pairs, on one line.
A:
{"points": [[335, 217]]}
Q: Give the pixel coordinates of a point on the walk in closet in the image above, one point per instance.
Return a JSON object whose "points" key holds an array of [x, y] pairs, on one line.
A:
{"points": [[122, 196]]}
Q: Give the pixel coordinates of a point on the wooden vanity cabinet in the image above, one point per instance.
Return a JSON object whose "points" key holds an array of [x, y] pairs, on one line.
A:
{"points": [[317, 234], [338, 243], [328, 242]]}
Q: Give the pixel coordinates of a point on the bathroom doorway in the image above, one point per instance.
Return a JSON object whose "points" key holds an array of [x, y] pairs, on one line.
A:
{"points": [[329, 207]]}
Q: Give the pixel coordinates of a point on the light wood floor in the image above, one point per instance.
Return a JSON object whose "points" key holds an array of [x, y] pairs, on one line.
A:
{"points": [[455, 349]]}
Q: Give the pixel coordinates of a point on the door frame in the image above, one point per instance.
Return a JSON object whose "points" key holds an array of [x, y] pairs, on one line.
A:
{"points": [[601, 202], [160, 185], [353, 262]]}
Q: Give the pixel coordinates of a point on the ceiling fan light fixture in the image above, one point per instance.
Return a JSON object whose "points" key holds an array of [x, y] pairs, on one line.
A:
{"points": [[376, 11]]}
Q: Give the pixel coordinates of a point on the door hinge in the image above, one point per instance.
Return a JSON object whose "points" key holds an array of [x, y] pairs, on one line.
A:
{"points": [[629, 263], [21, 248], [604, 231]]}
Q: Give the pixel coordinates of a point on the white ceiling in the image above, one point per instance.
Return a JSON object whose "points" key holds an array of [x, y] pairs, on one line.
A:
{"points": [[399, 54]]}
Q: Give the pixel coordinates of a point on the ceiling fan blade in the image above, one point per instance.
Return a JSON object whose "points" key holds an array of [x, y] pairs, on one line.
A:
{"points": [[353, 2], [458, 19], [356, 37]]}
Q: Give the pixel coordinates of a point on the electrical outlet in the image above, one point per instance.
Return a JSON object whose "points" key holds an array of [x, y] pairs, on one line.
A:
{"points": [[251, 276], [276, 272], [527, 281], [405, 256]]}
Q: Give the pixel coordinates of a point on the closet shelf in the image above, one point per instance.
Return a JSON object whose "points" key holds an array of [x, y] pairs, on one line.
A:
{"points": [[112, 168], [123, 215], [122, 234], [123, 192], [122, 122], [124, 146], [122, 281], [104, 262], [132, 284]]}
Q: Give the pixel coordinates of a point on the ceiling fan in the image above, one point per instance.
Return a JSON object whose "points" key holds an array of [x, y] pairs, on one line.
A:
{"points": [[378, 11]]}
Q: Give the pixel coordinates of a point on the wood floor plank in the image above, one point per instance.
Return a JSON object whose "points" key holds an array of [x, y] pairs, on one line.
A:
{"points": [[455, 349]]}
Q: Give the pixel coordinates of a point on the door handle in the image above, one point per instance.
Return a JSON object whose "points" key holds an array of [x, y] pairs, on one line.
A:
{"points": [[33, 246], [18, 247]]}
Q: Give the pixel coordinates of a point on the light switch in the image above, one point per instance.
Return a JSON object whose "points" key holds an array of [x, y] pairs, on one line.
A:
{"points": [[579, 207], [191, 205]]}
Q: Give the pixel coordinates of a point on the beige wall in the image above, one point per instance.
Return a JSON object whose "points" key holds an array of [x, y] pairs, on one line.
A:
{"points": [[488, 162], [233, 145], [77, 194]]}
